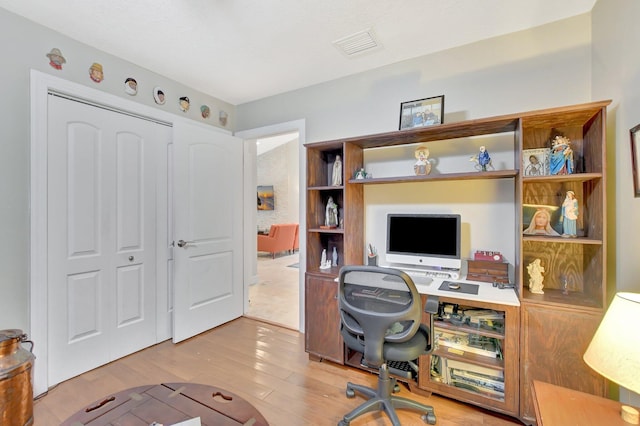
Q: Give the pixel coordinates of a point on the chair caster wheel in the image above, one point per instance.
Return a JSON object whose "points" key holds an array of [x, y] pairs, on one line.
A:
{"points": [[350, 393], [429, 418], [396, 388], [343, 423]]}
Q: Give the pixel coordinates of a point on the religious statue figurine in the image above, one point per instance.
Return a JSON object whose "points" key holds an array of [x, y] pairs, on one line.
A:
{"points": [[336, 177], [569, 215], [482, 159], [324, 262], [535, 270], [561, 157], [331, 214], [422, 166]]}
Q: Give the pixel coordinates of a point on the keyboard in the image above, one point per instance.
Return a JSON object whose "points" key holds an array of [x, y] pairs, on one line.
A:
{"points": [[419, 277], [443, 274]]}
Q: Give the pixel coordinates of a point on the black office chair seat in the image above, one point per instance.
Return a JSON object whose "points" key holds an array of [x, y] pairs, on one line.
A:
{"points": [[381, 312]]}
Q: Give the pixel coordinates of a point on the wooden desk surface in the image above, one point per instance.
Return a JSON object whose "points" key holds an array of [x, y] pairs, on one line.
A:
{"points": [[169, 403], [558, 406]]}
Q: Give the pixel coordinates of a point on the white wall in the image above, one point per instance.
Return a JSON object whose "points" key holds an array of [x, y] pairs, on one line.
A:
{"points": [[280, 167], [539, 68], [616, 75], [24, 46]]}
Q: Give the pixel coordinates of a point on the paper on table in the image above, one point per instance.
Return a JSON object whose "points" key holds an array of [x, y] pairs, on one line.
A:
{"points": [[191, 422]]}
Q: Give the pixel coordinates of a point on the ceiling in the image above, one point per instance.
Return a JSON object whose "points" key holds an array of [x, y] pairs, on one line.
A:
{"points": [[243, 50]]}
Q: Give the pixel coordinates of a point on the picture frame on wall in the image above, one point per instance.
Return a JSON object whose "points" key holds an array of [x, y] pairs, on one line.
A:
{"points": [[265, 197], [422, 112], [535, 162], [635, 158]]}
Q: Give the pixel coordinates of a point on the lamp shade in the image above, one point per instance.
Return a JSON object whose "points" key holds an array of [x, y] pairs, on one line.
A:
{"points": [[614, 351]]}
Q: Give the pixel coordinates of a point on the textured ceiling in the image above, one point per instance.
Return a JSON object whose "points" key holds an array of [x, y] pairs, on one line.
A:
{"points": [[243, 50]]}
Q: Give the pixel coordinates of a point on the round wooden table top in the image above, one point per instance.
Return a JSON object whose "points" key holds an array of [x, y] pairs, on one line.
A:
{"points": [[168, 404]]}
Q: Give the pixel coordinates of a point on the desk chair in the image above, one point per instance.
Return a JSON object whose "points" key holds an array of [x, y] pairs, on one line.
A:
{"points": [[380, 313]]}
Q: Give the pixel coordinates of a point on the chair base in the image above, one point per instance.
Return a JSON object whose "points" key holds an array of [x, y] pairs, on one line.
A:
{"points": [[384, 400]]}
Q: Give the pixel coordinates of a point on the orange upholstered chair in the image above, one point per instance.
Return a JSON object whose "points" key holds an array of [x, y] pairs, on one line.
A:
{"points": [[281, 237], [296, 240]]}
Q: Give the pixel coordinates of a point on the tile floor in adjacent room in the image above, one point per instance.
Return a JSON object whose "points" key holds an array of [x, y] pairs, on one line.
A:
{"points": [[275, 298]]}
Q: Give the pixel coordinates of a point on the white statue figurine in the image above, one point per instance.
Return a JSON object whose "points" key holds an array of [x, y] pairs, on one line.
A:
{"points": [[331, 214], [535, 270], [323, 260], [336, 177]]}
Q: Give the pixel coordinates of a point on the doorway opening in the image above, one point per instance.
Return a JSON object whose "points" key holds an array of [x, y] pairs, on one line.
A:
{"points": [[274, 293]]}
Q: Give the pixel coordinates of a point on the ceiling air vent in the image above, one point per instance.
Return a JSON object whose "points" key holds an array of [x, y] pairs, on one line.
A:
{"points": [[360, 42]]}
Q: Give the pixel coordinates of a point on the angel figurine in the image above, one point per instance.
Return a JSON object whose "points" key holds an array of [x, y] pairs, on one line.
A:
{"points": [[535, 270]]}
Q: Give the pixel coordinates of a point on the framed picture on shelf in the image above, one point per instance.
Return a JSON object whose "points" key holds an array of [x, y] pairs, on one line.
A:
{"points": [[541, 220], [422, 112], [535, 162], [635, 159]]}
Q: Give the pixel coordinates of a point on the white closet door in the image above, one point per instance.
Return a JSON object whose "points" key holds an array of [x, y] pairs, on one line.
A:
{"points": [[101, 238]]}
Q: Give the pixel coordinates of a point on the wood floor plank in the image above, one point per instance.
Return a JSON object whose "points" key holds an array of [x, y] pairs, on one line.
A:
{"points": [[260, 362]]}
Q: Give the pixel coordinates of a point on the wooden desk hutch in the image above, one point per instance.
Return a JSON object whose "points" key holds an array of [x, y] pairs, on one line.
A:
{"points": [[546, 335]]}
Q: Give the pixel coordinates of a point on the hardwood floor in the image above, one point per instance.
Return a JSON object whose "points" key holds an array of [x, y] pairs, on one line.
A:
{"points": [[264, 364], [275, 298]]}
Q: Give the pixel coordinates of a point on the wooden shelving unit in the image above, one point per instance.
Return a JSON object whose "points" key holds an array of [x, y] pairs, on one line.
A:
{"points": [[547, 334]]}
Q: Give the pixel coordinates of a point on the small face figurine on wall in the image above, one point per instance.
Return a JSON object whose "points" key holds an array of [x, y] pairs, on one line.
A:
{"points": [[131, 86], [205, 111], [56, 59], [184, 104], [95, 72], [158, 95]]}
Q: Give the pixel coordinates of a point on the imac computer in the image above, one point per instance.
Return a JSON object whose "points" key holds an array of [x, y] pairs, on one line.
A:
{"points": [[429, 241]]}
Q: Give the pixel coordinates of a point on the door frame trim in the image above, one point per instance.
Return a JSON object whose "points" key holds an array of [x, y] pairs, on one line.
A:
{"points": [[250, 160], [40, 86]]}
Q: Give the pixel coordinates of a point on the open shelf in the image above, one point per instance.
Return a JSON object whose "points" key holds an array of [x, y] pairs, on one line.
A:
{"points": [[498, 174]]}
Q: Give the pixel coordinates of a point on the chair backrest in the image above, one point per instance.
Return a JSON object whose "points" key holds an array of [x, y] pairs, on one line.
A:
{"points": [[379, 304]]}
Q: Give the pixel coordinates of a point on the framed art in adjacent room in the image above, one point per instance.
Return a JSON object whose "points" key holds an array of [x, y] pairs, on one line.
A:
{"points": [[265, 197], [422, 112], [635, 158]]}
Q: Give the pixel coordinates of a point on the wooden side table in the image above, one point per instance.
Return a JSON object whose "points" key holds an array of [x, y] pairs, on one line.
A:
{"points": [[169, 403], [556, 405]]}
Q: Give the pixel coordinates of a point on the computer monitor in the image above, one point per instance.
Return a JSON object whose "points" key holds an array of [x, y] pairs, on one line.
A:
{"points": [[429, 240]]}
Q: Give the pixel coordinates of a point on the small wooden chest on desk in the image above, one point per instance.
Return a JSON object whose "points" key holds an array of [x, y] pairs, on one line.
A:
{"points": [[488, 271], [558, 406]]}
